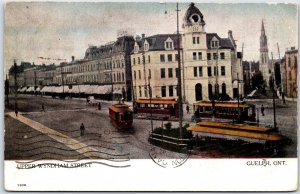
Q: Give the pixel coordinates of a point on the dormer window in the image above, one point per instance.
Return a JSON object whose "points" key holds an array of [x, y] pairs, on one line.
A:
{"points": [[169, 44], [136, 48], [214, 42], [146, 46]]}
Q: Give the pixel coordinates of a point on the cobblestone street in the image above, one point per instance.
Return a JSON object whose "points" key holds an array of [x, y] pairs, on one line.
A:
{"points": [[64, 117]]}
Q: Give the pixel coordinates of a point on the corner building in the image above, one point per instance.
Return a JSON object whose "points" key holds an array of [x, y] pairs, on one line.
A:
{"points": [[210, 65]]}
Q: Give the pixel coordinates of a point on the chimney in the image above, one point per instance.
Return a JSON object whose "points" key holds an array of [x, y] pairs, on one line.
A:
{"points": [[73, 58], [143, 36]]}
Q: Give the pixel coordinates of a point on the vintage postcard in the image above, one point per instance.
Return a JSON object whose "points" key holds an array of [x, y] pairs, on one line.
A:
{"points": [[150, 96]]}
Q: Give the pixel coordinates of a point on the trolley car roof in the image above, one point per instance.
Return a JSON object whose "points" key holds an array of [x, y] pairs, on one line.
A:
{"points": [[120, 108], [156, 101], [235, 134], [224, 104]]}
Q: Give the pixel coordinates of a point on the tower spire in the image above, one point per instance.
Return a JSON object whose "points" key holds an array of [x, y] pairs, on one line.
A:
{"points": [[262, 27]]}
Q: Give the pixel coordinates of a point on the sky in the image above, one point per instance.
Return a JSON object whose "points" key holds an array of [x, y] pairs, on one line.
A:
{"points": [[57, 30]]}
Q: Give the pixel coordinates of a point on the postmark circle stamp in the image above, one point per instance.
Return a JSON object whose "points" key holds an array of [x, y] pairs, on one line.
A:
{"points": [[158, 156]]}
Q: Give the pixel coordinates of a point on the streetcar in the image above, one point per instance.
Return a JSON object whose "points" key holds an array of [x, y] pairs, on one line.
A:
{"points": [[121, 116], [267, 136], [157, 107], [225, 110]]}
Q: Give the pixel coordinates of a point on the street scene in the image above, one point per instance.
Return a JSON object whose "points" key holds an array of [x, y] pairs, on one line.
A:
{"points": [[180, 81]]}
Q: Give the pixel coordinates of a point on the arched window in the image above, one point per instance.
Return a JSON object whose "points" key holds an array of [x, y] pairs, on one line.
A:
{"points": [[223, 89], [198, 92]]}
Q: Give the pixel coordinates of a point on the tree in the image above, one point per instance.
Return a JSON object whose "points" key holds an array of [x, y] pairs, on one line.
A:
{"points": [[257, 80]]}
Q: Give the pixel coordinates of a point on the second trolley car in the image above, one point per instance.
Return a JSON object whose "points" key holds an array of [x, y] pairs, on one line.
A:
{"points": [[157, 107]]}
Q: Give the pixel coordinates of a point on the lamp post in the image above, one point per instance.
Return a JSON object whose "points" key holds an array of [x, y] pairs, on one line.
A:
{"points": [[238, 94]]}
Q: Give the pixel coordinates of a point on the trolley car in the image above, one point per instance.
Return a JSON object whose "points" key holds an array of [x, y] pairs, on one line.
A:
{"points": [[121, 116], [225, 110], [157, 107], [238, 132]]}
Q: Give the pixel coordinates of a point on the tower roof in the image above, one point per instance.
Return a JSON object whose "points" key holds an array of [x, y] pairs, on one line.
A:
{"points": [[192, 10], [262, 27]]}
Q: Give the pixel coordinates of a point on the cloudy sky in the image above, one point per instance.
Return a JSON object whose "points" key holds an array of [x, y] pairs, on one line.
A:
{"points": [[57, 30]]}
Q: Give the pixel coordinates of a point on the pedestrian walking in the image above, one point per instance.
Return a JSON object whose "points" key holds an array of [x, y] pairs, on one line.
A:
{"points": [[82, 129], [16, 111], [283, 98], [187, 109], [262, 110], [123, 100], [43, 108], [99, 106]]}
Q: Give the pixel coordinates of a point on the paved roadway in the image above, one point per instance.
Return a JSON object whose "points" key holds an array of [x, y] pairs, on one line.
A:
{"points": [[55, 133]]}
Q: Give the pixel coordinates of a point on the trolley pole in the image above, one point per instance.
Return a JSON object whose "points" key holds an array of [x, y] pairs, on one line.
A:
{"points": [[179, 75]]}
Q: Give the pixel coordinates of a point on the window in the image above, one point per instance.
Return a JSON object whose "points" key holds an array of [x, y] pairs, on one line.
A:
{"points": [[208, 56], [149, 73], [208, 71], [169, 57], [176, 57], [195, 71], [194, 56], [222, 70], [169, 44], [139, 60], [171, 91], [170, 72], [215, 56], [139, 74], [145, 91], [134, 74], [199, 55], [196, 40], [163, 91], [200, 72], [148, 58], [176, 72], [146, 47], [215, 71], [222, 55], [162, 73], [214, 44], [162, 58]]}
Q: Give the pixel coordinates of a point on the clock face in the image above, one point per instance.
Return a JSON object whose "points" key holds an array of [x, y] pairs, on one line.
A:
{"points": [[195, 18]]}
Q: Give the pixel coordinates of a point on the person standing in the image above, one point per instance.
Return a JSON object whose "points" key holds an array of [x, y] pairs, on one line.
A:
{"points": [[99, 106], [187, 109], [43, 108], [16, 111], [82, 129], [262, 110]]}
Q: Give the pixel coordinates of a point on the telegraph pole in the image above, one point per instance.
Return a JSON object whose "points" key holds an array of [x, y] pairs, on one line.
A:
{"points": [[179, 75], [16, 86], [274, 109]]}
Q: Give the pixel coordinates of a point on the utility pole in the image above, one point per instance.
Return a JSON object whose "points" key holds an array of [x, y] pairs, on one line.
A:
{"points": [[16, 86], [274, 109], [150, 97], [112, 84], [62, 78], [179, 75]]}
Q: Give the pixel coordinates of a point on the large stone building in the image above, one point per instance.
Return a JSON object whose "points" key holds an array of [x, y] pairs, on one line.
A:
{"points": [[290, 76], [210, 65], [106, 65]]}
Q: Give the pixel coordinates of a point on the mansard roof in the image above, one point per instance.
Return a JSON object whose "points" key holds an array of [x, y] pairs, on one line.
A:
{"points": [[225, 43], [157, 42]]}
